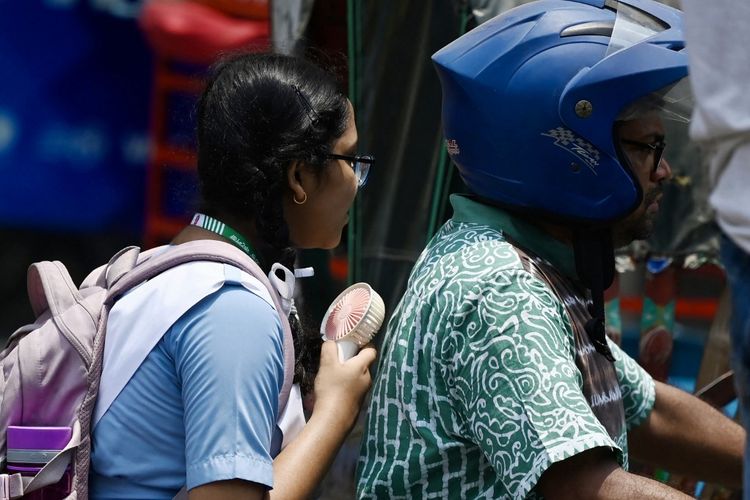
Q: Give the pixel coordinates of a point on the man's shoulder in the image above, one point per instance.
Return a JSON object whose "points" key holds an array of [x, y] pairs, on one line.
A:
{"points": [[474, 251], [463, 243], [468, 258]]}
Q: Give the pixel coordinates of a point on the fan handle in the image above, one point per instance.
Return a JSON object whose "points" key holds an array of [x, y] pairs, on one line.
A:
{"points": [[347, 349]]}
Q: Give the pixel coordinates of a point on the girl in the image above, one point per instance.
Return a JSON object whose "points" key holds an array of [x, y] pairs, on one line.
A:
{"points": [[276, 161]]}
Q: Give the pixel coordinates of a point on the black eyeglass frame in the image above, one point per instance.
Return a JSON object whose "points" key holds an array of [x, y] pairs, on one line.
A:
{"points": [[360, 164], [657, 147]]}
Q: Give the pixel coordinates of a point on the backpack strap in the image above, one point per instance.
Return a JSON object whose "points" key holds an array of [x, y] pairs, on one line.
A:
{"points": [[120, 264], [214, 251], [51, 288], [12, 486]]}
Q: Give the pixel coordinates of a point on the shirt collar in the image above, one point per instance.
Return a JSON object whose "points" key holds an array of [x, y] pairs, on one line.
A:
{"points": [[527, 235]]}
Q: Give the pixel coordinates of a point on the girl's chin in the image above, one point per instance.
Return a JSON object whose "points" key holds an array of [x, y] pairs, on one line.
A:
{"points": [[319, 244]]}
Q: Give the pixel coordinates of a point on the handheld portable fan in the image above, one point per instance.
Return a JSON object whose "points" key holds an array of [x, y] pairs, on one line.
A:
{"points": [[353, 319]]}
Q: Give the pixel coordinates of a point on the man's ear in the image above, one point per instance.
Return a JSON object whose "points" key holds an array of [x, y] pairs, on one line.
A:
{"points": [[294, 178]]}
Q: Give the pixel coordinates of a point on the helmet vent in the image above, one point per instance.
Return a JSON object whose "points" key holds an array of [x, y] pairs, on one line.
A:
{"points": [[676, 46], [601, 28]]}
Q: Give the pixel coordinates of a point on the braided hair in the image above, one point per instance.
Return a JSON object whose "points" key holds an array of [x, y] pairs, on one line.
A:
{"points": [[259, 114]]}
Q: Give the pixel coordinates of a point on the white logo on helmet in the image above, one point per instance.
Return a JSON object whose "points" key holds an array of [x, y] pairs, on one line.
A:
{"points": [[569, 141]]}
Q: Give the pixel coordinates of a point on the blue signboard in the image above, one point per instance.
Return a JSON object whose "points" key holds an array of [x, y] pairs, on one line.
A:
{"points": [[75, 79]]}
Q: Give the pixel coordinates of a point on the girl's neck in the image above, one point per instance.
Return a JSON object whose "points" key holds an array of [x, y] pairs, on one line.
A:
{"points": [[246, 228]]}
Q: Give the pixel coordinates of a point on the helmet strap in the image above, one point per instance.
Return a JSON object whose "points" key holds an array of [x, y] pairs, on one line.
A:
{"points": [[595, 265]]}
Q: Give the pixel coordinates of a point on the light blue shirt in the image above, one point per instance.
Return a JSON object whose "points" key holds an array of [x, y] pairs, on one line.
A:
{"points": [[201, 408]]}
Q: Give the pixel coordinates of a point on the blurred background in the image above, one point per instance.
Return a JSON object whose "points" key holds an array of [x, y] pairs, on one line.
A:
{"points": [[75, 79], [96, 153]]}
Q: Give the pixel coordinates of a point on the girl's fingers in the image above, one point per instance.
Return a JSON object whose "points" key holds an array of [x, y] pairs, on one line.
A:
{"points": [[367, 355], [328, 351]]}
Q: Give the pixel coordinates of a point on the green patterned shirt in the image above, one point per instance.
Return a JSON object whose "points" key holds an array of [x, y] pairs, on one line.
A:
{"points": [[478, 391]]}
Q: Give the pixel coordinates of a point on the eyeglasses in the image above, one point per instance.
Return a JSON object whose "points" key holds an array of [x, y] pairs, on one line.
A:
{"points": [[360, 163], [656, 147]]}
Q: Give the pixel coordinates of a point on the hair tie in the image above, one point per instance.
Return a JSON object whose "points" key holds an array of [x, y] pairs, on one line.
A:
{"points": [[311, 113]]}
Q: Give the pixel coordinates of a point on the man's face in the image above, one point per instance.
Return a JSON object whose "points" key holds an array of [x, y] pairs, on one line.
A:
{"points": [[642, 142]]}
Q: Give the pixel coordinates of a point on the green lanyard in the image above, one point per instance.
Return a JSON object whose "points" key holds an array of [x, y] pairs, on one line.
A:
{"points": [[218, 227]]}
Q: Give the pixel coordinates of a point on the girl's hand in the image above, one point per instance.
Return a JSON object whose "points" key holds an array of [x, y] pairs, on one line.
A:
{"points": [[341, 387]]}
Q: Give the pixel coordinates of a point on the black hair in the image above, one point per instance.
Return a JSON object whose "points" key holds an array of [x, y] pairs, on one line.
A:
{"points": [[260, 113]]}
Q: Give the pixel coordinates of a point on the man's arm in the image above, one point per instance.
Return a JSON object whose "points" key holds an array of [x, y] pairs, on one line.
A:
{"points": [[687, 436], [595, 474]]}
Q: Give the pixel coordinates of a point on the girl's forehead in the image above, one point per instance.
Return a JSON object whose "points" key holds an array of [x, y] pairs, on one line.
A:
{"points": [[349, 138]]}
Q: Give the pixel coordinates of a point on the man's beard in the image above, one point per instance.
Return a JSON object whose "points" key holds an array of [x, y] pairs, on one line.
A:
{"points": [[640, 224]]}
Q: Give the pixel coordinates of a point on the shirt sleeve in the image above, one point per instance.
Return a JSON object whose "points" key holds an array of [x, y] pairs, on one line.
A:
{"points": [[229, 361], [637, 387], [509, 363]]}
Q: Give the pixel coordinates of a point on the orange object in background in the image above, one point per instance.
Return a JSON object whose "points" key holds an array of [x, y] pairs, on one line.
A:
{"points": [[197, 34], [703, 309], [697, 294], [194, 33], [338, 267], [248, 9]]}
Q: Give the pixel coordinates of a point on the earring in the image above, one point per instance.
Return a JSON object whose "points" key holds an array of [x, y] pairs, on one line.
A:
{"points": [[300, 202]]}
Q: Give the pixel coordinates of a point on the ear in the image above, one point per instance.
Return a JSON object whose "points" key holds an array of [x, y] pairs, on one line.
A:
{"points": [[294, 178]]}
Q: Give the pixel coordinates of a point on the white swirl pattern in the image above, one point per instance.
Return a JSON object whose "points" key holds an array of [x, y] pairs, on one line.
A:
{"points": [[477, 391]]}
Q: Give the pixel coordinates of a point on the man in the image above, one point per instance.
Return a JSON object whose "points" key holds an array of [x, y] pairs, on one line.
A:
{"points": [[496, 379], [719, 76]]}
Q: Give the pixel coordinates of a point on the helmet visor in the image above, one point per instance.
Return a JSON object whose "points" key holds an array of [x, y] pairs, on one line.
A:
{"points": [[655, 129], [672, 103], [631, 27]]}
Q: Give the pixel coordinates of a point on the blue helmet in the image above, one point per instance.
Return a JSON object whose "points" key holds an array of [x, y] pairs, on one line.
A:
{"points": [[530, 99]]}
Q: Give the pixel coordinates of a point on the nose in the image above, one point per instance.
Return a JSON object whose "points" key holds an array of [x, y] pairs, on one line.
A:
{"points": [[663, 172]]}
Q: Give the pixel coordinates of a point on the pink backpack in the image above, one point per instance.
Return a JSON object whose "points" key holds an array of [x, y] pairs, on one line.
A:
{"points": [[51, 368]]}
